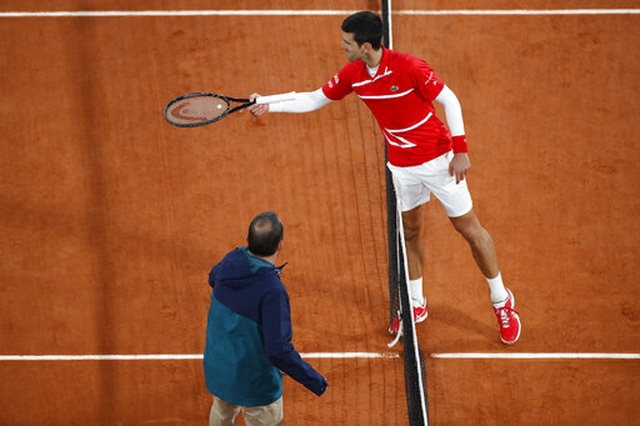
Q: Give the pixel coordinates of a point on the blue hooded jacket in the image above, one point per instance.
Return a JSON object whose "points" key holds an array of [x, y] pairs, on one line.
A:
{"points": [[249, 333]]}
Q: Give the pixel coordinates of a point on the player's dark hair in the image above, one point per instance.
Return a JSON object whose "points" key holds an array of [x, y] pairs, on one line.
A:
{"points": [[265, 233], [366, 27]]}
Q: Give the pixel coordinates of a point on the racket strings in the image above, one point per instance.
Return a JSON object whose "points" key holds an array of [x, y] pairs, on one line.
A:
{"points": [[197, 109]]}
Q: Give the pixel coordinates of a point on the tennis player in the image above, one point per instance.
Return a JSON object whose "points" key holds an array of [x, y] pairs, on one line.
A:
{"points": [[248, 344], [424, 156]]}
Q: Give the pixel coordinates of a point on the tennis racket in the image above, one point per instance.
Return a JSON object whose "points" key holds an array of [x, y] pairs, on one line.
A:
{"points": [[201, 108]]}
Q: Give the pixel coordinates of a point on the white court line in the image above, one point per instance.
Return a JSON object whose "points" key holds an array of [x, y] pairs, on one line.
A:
{"points": [[523, 12], [536, 355], [336, 355], [160, 13], [118, 13], [174, 357]]}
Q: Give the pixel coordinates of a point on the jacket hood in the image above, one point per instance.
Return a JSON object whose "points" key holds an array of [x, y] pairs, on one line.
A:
{"points": [[239, 268]]}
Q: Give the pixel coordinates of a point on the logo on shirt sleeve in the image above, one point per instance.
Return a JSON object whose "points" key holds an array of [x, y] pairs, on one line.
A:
{"points": [[334, 80], [430, 79]]}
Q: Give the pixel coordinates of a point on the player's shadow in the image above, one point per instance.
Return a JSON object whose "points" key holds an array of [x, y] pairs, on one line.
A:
{"points": [[474, 327]]}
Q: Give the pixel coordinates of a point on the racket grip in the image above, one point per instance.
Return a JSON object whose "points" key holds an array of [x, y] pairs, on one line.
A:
{"points": [[275, 98]]}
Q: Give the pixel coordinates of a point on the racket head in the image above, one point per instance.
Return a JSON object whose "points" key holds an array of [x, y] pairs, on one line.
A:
{"points": [[197, 109]]}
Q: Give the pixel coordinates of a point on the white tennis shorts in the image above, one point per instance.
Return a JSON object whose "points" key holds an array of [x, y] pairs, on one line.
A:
{"points": [[414, 186]]}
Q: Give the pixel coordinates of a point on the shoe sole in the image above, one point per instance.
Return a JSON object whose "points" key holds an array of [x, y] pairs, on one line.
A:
{"points": [[418, 320]]}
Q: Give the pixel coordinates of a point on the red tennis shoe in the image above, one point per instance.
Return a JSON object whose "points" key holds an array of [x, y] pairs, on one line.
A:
{"points": [[420, 314], [509, 321]]}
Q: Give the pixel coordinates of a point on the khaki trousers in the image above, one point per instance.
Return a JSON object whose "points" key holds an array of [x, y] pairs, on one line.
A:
{"points": [[224, 414]]}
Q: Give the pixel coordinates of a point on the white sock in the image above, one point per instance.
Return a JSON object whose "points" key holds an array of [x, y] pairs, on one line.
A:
{"points": [[417, 296], [499, 294]]}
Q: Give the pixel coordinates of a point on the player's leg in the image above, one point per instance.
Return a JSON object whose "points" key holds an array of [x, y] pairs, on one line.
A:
{"points": [[484, 253], [482, 248], [412, 227], [456, 200], [411, 195]]}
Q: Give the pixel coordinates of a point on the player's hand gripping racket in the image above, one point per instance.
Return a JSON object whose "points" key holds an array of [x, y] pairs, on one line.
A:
{"points": [[201, 108]]}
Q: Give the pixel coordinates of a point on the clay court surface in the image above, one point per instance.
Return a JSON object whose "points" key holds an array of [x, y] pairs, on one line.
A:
{"points": [[111, 219]]}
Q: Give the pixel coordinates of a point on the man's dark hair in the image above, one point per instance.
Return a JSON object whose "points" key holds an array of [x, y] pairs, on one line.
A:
{"points": [[265, 233], [366, 27]]}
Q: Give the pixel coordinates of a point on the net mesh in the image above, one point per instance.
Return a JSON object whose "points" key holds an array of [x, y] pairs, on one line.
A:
{"points": [[399, 299], [194, 110]]}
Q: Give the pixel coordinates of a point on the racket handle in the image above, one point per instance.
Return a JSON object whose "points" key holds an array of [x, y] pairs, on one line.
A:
{"points": [[275, 98]]}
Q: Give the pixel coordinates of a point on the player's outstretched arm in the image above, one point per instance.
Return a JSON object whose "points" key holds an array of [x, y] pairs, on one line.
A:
{"points": [[301, 102]]}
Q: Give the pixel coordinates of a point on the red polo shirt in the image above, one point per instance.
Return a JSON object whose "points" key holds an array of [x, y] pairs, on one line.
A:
{"points": [[400, 95]]}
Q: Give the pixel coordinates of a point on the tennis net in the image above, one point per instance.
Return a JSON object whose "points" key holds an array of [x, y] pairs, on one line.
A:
{"points": [[399, 299]]}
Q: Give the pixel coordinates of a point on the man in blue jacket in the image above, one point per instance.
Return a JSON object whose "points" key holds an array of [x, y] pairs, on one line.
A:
{"points": [[249, 333]]}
